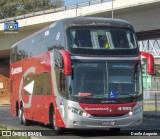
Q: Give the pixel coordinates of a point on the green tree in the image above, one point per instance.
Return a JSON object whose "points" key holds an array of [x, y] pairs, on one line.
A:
{"points": [[11, 8]]}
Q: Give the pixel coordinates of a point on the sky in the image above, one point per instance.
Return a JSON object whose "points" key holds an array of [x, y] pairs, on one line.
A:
{"points": [[70, 2]]}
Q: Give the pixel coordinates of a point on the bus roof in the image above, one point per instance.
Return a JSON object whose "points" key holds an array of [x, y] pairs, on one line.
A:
{"points": [[94, 21], [82, 21]]}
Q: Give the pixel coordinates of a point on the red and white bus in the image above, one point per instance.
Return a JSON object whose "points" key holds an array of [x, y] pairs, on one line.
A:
{"points": [[79, 73]]}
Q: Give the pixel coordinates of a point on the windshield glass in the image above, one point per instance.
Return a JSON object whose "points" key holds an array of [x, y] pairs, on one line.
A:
{"points": [[109, 80], [101, 38]]}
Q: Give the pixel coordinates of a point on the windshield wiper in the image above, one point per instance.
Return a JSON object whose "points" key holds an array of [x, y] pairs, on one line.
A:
{"points": [[126, 95], [84, 97], [104, 96]]}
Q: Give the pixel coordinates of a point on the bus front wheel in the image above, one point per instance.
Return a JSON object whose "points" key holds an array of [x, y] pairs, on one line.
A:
{"points": [[114, 130], [58, 130]]}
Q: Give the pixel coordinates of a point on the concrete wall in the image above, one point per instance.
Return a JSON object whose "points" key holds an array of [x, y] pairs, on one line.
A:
{"points": [[142, 19], [8, 39], [143, 14]]}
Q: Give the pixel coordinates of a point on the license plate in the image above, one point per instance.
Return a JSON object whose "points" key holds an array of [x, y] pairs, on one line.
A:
{"points": [[107, 122]]}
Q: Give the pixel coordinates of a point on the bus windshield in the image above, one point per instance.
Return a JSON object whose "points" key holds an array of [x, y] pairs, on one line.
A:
{"points": [[100, 80], [102, 38]]}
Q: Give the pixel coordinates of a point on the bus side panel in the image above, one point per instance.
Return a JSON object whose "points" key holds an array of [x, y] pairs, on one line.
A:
{"points": [[56, 96], [12, 98], [41, 64], [15, 76], [39, 97]]}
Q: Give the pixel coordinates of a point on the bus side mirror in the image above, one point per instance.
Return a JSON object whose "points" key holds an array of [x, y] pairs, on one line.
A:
{"points": [[66, 61], [150, 62]]}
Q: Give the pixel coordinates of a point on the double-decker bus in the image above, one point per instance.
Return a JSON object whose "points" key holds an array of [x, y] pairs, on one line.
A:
{"points": [[80, 73]]}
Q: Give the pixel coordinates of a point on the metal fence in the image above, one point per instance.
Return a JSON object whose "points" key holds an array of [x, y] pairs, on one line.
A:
{"points": [[155, 84], [63, 8], [152, 94], [151, 100], [151, 46]]}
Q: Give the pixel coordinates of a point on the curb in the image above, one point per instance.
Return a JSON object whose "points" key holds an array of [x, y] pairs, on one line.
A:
{"points": [[4, 105]]}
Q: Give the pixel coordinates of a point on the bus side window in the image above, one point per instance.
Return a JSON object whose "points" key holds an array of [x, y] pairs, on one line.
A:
{"points": [[46, 83], [60, 76], [14, 54], [62, 83], [57, 71], [83, 38], [60, 80], [42, 83]]}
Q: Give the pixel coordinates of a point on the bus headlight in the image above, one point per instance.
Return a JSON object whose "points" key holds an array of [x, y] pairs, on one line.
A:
{"points": [[78, 111], [130, 113], [135, 111]]}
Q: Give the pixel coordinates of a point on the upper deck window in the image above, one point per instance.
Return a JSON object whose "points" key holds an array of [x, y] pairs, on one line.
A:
{"points": [[102, 38]]}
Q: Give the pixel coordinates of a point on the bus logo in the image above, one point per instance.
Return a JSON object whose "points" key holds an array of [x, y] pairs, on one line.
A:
{"points": [[16, 70], [28, 88]]}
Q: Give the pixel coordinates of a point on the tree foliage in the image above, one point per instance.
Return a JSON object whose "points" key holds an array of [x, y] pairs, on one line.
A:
{"points": [[11, 8]]}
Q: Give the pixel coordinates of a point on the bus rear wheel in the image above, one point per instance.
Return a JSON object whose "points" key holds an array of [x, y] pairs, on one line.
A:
{"points": [[20, 116], [22, 119]]}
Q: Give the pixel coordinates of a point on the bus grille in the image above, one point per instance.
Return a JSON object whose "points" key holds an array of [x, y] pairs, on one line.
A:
{"points": [[107, 115]]}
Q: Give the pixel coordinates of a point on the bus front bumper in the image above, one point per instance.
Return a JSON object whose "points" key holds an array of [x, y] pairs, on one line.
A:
{"points": [[80, 122]]}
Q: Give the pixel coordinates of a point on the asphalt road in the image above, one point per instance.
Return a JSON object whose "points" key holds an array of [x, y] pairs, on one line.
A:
{"points": [[13, 123]]}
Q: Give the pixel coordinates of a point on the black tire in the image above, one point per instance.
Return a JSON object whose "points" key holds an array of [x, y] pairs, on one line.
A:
{"points": [[57, 130], [114, 130], [20, 115], [25, 121]]}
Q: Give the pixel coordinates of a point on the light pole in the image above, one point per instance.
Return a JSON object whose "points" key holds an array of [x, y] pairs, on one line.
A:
{"points": [[112, 8]]}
